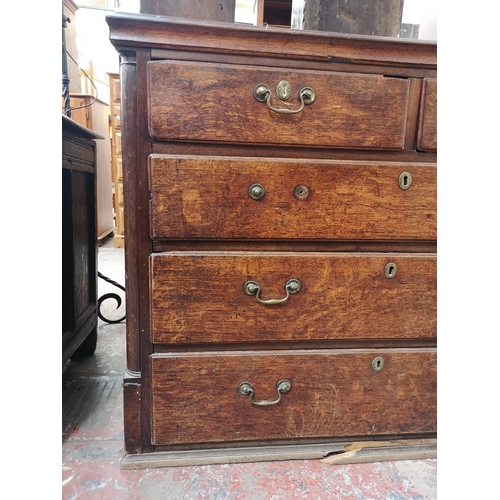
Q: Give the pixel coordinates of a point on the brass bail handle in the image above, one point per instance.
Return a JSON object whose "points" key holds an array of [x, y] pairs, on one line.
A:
{"points": [[292, 286], [262, 93], [246, 388]]}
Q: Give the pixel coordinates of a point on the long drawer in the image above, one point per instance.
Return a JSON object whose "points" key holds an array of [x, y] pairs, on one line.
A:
{"points": [[210, 397], [227, 103], [250, 198], [227, 297]]}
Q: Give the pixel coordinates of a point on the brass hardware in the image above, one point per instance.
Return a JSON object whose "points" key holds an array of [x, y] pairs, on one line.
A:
{"points": [[262, 93], [390, 270], [405, 180], [246, 388], [292, 286], [301, 192], [378, 363], [308, 94], [284, 90], [256, 191]]}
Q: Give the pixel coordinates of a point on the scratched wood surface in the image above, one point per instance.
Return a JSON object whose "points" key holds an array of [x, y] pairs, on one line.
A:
{"points": [[215, 103], [204, 197], [188, 90], [334, 393], [199, 297]]}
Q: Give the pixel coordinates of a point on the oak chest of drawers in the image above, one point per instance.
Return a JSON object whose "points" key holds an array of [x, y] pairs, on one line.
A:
{"points": [[280, 225]]}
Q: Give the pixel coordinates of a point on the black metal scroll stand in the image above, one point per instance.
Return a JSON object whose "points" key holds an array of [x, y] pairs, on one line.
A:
{"points": [[106, 296]]}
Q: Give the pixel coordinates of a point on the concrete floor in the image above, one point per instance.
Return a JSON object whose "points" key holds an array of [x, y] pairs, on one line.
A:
{"points": [[92, 443]]}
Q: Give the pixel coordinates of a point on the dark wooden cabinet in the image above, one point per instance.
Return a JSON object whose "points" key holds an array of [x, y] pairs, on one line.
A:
{"points": [[79, 240], [280, 225]]}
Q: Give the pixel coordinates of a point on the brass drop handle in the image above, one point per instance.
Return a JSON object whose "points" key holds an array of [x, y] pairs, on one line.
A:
{"points": [[262, 93], [292, 286], [246, 388]]}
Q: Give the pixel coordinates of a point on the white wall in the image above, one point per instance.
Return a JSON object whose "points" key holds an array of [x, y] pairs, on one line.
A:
{"points": [[93, 43], [423, 13]]}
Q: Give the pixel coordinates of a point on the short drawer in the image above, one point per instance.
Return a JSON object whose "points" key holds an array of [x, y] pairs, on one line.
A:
{"points": [[323, 393], [427, 125], [224, 297], [252, 198], [216, 103]]}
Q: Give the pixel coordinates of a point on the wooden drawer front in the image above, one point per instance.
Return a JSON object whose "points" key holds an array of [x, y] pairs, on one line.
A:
{"points": [[427, 129], [198, 197], [215, 103], [199, 297], [333, 393]]}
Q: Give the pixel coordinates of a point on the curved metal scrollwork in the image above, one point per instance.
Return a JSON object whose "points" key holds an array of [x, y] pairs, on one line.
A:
{"points": [[106, 296]]}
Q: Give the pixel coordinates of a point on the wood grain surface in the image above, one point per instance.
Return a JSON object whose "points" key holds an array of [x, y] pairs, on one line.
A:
{"points": [[204, 197], [199, 297], [130, 31], [334, 393], [427, 131], [218, 105]]}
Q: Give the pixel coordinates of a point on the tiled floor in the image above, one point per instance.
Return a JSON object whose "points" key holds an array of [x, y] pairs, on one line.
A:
{"points": [[92, 443]]}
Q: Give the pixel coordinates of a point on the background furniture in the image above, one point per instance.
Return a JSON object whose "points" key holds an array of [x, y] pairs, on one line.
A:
{"points": [[280, 225], [94, 115], [377, 17], [79, 243], [116, 158], [70, 9], [215, 10]]}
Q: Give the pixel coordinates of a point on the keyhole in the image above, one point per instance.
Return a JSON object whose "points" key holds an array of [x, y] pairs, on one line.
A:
{"points": [[390, 270], [405, 180], [378, 363]]}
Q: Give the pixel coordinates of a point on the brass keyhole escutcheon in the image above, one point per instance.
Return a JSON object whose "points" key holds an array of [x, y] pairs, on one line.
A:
{"points": [[390, 270], [301, 192], [378, 363], [284, 90], [256, 191], [405, 180]]}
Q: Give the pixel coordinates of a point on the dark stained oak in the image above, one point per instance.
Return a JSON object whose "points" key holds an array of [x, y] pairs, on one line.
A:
{"points": [[194, 139], [132, 31], [208, 197], [199, 297], [334, 393], [350, 110], [79, 240]]}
